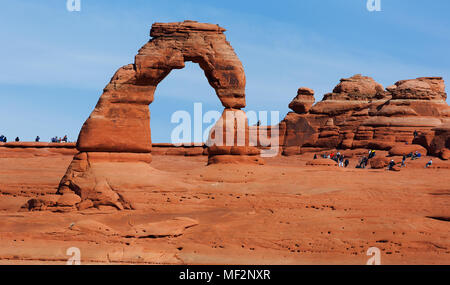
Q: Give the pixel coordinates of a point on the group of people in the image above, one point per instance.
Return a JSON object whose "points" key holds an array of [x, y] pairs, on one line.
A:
{"points": [[365, 159], [338, 157], [59, 140], [413, 156], [37, 139], [344, 162], [4, 139]]}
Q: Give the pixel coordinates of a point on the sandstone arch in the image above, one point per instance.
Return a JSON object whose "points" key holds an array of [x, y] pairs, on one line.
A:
{"points": [[121, 120], [114, 143]]}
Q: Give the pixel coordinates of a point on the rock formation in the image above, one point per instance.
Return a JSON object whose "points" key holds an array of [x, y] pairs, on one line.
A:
{"points": [[114, 143], [120, 121], [303, 101], [440, 142], [379, 162], [360, 113]]}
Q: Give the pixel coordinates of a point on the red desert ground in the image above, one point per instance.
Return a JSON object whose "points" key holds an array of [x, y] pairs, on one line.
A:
{"points": [[126, 201]]}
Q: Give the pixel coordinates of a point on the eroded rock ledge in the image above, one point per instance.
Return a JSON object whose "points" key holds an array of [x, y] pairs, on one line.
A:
{"points": [[360, 113]]}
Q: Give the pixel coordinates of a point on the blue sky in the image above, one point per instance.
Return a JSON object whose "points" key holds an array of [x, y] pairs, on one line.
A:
{"points": [[55, 63]]}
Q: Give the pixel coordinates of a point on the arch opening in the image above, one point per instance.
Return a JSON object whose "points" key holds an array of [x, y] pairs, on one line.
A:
{"points": [[179, 91]]}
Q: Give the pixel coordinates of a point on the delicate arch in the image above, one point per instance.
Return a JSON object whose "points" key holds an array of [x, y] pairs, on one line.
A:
{"points": [[120, 121]]}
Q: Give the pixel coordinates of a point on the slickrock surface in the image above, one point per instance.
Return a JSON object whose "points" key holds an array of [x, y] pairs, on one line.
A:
{"points": [[283, 212], [119, 204]]}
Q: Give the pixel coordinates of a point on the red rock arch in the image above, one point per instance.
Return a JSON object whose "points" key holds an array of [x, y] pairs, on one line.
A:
{"points": [[114, 143], [121, 121]]}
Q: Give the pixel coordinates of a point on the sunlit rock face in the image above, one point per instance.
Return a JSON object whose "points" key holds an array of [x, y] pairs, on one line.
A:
{"points": [[360, 113]]}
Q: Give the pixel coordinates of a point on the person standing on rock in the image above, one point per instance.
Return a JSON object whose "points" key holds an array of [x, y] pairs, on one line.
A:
{"points": [[403, 161], [358, 165], [341, 161], [336, 157], [37, 139], [17, 139], [346, 163], [415, 133], [365, 162]]}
